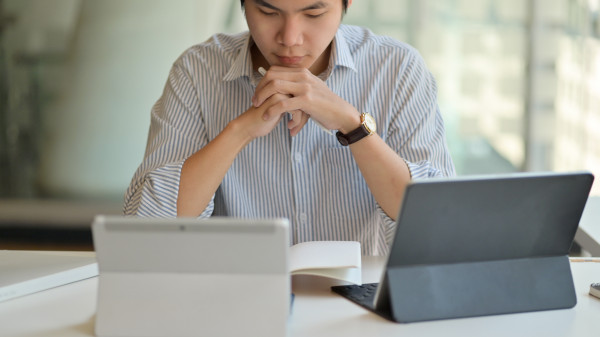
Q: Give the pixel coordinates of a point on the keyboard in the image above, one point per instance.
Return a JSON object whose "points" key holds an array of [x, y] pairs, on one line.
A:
{"points": [[363, 294]]}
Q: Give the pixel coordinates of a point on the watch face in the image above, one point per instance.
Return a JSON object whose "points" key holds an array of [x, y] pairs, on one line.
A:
{"points": [[369, 123]]}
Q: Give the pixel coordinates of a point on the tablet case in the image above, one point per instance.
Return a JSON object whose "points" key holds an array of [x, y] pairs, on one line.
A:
{"points": [[482, 246]]}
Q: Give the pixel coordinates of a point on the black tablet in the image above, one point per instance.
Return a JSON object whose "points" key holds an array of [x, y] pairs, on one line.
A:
{"points": [[483, 245]]}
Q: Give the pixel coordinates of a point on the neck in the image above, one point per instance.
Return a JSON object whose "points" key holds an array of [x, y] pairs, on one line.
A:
{"points": [[258, 60], [322, 62]]}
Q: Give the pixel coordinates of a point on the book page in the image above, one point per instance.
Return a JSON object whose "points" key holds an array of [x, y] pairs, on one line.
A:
{"points": [[335, 259]]}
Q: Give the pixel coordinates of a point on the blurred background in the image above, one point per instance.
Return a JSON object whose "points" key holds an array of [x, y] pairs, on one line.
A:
{"points": [[519, 88]]}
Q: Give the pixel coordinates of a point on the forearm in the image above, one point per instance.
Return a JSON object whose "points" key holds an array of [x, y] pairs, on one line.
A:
{"points": [[203, 172], [384, 171]]}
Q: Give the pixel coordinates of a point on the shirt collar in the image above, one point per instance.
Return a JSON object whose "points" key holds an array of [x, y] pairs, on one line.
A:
{"points": [[341, 56], [242, 64]]}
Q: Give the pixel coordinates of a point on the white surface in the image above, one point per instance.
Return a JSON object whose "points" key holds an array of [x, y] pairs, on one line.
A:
{"points": [[26, 272], [70, 311], [588, 233]]}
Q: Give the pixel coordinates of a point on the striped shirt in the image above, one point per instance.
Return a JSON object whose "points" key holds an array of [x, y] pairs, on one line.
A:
{"points": [[310, 179]]}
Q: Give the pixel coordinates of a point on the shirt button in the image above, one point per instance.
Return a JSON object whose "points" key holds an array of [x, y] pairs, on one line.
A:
{"points": [[298, 157], [303, 218]]}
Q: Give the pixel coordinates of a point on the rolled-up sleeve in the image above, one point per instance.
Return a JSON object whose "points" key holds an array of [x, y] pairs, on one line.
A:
{"points": [[416, 132], [176, 132]]}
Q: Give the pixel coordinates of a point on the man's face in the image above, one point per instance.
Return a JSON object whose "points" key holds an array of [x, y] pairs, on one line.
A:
{"points": [[293, 33]]}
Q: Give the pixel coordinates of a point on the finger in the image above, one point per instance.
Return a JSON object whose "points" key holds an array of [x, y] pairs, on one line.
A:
{"points": [[277, 106], [287, 70], [295, 131], [294, 119], [276, 110], [266, 79], [271, 88], [281, 80], [302, 120]]}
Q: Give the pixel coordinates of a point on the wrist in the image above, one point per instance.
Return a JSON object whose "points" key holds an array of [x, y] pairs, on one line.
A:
{"points": [[366, 128], [236, 132], [350, 124]]}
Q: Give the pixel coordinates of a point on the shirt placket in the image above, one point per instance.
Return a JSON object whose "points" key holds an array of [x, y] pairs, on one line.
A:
{"points": [[300, 185]]}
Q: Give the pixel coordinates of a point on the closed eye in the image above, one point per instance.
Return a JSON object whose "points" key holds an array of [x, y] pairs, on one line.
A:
{"points": [[314, 16], [267, 13]]}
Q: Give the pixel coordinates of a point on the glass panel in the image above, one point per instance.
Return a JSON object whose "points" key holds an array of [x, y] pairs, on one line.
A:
{"points": [[519, 82]]}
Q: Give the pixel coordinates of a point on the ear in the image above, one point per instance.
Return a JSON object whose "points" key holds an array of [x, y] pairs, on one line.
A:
{"points": [[349, 4]]}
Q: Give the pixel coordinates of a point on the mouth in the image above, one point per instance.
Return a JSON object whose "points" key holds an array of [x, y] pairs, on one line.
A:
{"points": [[289, 60]]}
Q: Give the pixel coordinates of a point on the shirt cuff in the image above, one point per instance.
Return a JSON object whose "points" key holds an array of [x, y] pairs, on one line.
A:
{"points": [[389, 226], [160, 191], [422, 170]]}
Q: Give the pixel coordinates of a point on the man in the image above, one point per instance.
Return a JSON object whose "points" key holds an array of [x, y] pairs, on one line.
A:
{"points": [[217, 145]]}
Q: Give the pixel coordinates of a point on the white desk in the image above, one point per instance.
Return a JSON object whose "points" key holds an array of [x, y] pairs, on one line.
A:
{"points": [[69, 311], [588, 233]]}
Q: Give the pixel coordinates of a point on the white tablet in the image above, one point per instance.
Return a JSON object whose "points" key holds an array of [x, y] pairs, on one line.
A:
{"points": [[192, 277]]}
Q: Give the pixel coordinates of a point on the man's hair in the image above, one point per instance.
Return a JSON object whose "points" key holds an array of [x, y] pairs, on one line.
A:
{"points": [[344, 4]]}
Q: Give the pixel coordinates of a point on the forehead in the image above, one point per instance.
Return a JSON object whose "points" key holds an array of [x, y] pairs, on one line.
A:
{"points": [[297, 5]]}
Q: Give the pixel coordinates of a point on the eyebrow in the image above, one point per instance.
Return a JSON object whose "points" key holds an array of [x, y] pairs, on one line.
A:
{"points": [[316, 5]]}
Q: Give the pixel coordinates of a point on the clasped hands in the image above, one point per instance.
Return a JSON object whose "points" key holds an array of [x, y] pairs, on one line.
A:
{"points": [[304, 96]]}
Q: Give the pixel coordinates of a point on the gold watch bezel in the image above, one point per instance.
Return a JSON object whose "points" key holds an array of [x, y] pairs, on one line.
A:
{"points": [[368, 122]]}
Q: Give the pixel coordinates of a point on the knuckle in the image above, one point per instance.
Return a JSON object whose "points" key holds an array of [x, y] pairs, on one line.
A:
{"points": [[282, 105], [310, 98], [269, 111]]}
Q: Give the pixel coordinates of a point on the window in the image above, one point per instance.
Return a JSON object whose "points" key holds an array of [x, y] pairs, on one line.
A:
{"points": [[519, 82]]}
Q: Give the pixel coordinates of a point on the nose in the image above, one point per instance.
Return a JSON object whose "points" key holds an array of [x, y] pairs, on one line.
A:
{"points": [[290, 33]]}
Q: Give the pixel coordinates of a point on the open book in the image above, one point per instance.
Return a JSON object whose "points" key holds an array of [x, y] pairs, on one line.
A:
{"points": [[333, 259]]}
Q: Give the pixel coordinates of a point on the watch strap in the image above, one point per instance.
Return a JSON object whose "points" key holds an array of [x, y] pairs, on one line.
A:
{"points": [[359, 133], [353, 136]]}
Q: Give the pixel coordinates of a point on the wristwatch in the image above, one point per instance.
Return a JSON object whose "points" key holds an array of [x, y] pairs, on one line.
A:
{"points": [[367, 127]]}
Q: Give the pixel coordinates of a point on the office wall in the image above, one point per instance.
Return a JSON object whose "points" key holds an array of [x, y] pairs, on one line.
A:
{"points": [[97, 118]]}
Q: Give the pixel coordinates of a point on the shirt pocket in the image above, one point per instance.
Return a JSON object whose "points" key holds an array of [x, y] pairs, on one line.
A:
{"points": [[346, 192]]}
